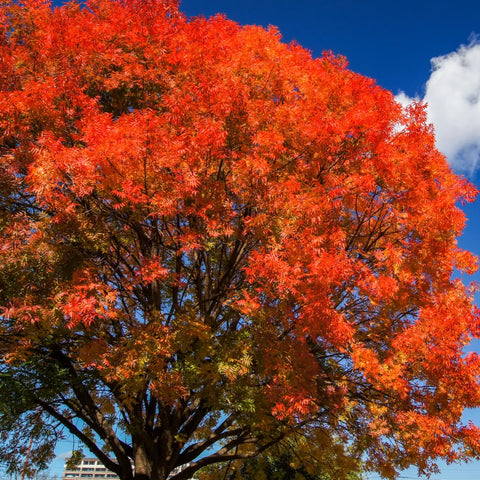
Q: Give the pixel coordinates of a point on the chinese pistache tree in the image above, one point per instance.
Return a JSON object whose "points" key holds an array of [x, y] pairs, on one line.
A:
{"points": [[211, 243]]}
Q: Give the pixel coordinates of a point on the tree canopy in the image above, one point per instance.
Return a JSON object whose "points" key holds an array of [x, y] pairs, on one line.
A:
{"points": [[211, 243]]}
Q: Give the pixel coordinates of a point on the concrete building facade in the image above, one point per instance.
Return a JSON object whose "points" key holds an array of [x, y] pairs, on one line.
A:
{"points": [[89, 469]]}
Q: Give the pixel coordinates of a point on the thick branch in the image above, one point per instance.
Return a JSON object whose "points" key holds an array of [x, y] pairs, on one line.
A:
{"points": [[220, 433], [222, 455], [92, 446]]}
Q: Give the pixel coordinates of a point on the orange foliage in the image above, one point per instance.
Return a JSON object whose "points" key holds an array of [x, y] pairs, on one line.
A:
{"points": [[200, 223]]}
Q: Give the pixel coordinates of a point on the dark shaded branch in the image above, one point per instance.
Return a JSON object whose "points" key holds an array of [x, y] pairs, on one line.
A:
{"points": [[220, 433], [222, 454], [74, 430]]}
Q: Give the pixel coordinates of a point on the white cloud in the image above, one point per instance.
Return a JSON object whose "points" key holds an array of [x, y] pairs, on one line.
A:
{"points": [[404, 100], [453, 97]]}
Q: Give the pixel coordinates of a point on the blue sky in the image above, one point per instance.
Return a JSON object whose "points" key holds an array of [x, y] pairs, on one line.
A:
{"points": [[393, 42]]}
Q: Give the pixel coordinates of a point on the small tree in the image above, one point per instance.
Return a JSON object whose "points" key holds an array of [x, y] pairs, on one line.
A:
{"points": [[211, 243]]}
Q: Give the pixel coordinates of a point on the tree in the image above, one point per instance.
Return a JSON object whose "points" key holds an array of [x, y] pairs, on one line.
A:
{"points": [[211, 243]]}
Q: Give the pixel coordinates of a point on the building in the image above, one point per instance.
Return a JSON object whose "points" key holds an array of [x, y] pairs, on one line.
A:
{"points": [[89, 469], [93, 469]]}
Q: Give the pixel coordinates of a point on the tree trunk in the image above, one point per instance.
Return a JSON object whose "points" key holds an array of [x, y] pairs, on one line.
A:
{"points": [[143, 468]]}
